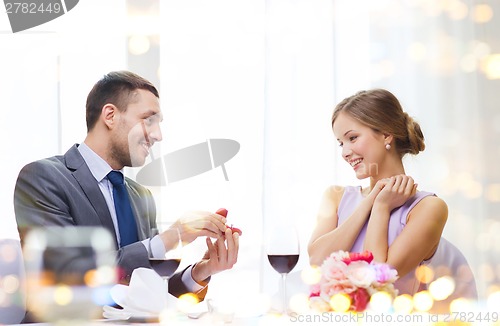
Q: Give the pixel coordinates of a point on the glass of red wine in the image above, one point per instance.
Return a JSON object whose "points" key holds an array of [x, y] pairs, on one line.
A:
{"points": [[283, 251], [166, 265]]}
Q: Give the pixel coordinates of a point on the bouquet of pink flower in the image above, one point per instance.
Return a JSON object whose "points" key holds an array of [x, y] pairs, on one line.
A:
{"points": [[355, 275]]}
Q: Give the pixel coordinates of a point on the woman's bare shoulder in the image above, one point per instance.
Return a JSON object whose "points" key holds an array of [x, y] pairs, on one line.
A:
{"points": [[334, 192], [433, 202], [432, 206]]}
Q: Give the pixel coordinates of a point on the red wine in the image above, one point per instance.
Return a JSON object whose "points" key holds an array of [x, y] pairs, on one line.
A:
{"points": [[164, 267], [283, 263]]}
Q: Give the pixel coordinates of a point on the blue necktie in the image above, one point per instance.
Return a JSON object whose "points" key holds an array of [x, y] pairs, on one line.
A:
{"points": [[126, 221]]}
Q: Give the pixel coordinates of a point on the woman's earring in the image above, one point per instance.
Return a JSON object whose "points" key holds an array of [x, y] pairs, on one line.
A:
{"points": [[388, 146]]}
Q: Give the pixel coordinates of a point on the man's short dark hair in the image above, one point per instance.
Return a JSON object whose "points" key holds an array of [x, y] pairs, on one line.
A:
{"points": [[116, 88]]}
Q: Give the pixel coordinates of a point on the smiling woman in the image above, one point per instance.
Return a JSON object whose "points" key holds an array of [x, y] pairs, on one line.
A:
{"points": [[391, 218], [375, 116]]}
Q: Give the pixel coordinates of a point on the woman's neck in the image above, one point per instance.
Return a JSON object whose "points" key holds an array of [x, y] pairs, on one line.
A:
{"points": [[395, 169]]}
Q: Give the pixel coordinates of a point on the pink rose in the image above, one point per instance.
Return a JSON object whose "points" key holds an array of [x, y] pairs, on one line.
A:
{"points": [[360, 299], [338, 255], [330, 288], [354, 274], [333, 270], [356, 256], [315, 289], [384, 273], [361, 274]]}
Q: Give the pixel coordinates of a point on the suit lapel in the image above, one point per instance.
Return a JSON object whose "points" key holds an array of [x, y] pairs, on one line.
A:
{"points": [[81, 172]]}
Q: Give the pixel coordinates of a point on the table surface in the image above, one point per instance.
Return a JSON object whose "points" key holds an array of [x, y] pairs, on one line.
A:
{"points": [[309, 318]]}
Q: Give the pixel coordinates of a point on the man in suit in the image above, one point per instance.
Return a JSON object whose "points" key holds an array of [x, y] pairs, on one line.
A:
{"points": [[123, 121]]}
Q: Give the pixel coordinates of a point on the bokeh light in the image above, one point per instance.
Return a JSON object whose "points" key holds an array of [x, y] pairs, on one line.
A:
{"points": [[187, 301], [340, 302], [106, 275], [381, 302], [63, 295], [468, 185], [138, 44], [461, 305], [403, 304], [442, 288], [493, 192], [457, 10], [424, 273], [493, 301], [311, 275], [491, 66], [422, 301], [90, 278], [9, 284], [482, 13]]}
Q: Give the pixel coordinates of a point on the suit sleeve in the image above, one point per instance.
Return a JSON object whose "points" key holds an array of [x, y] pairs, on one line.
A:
{"points": [[38, 200], [176, 286]]}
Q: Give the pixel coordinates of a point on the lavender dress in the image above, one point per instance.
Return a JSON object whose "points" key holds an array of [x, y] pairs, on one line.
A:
{"points": [[447, 260]]}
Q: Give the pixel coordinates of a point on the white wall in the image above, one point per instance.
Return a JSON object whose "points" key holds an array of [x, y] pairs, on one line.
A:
{"points": [[29, 98], [46, 74]]}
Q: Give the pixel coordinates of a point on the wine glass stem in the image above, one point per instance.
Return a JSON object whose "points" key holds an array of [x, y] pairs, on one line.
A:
{"points": [[165, 281], [283, 281]]}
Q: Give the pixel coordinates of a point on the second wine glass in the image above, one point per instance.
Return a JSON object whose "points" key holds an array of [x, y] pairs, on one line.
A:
{"points": [[283, 251], [167, 265]]}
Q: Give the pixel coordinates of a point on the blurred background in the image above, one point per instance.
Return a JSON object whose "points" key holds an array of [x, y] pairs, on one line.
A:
{"points": [[268, 73]]}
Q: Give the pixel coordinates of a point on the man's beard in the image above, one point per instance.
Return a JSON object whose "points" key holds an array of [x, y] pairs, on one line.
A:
{"points": [[121, 154]]}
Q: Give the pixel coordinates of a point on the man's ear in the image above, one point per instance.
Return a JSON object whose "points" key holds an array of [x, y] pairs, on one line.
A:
{"points": [[109, 115]]}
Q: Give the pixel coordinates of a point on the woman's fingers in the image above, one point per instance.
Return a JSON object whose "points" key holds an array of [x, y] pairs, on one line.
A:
{"points": [[396, 190]]}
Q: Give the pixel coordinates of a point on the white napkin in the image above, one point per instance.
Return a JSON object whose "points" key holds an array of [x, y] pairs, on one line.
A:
{"points": [[144, 297]]}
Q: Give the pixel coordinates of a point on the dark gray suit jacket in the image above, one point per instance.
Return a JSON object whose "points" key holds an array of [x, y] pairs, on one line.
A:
{"points": [[61, 191]]}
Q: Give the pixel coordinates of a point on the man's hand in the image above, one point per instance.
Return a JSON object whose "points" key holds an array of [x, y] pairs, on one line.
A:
{"points": [[196, 224], [220, 256]]}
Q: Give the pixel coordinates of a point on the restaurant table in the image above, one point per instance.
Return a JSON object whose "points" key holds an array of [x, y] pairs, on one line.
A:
{"points": [[309, 318]]}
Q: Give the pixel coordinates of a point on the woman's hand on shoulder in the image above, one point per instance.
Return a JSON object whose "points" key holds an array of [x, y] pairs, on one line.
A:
{"points": [[376, 189], [393, 192]]}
